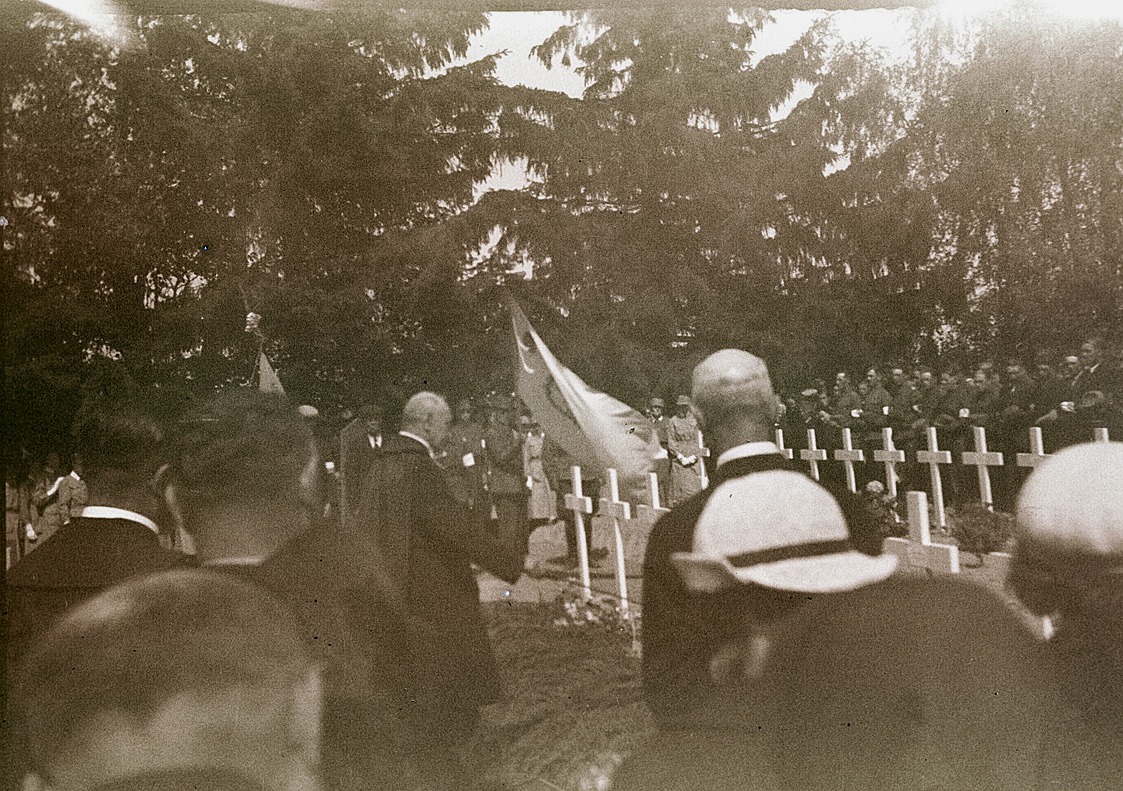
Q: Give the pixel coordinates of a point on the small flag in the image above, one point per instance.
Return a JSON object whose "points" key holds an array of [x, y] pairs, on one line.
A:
{"points": [[267, 381], [595, 429]]}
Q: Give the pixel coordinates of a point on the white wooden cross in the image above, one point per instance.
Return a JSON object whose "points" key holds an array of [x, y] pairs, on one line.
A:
{"points": [[581, 506], [651, 513], [703, 454], [890, 457], [917, 551], [785, 452], [983, 460], [612, 506], [813, 454], [1101, 435], [848, 456], [934, 457], [1036, 453]]}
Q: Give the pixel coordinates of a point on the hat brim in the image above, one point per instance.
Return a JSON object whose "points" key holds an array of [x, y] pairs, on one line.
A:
{"points": [[834, 573]]}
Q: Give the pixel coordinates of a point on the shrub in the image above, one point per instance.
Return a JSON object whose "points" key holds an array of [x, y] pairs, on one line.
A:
{"points": [[980, 530]]}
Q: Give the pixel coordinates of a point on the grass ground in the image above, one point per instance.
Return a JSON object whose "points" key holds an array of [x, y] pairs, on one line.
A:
{"points": [[572, 708]]}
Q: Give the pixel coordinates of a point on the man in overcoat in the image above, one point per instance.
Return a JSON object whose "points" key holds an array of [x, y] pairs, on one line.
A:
{"points": [[429, 541]]}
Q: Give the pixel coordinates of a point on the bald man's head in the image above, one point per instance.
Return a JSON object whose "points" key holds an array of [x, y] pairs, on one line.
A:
{"points": [[428, 416], [732, 391]]}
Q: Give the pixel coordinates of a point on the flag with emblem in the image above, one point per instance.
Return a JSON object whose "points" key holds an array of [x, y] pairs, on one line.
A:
{"points": [[595, 429]]}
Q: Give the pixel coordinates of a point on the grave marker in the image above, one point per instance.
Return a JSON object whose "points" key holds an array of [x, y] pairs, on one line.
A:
{"points": [[1036, 453], [787, 453], [651, 513], [813, 454], [1101, 435], [918, 551], [580, 506], [618, 510], [890, 457], [848, 456], [983, 460], [934, 457], [703, 454]]}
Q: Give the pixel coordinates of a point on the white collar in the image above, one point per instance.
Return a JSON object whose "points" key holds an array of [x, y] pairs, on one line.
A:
{"points": [[74, 475], [747, 449], [234, 562], [428, 447], [107, 512]]}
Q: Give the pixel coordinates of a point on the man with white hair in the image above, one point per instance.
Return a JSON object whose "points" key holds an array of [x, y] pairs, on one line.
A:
{"points": [[429, 541], [760, 541]]}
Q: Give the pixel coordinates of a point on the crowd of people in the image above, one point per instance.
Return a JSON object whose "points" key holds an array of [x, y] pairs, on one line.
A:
{"points": [[1068, 400], [217, 608]]}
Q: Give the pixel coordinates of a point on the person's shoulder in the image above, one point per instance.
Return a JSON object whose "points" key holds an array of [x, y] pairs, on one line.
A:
{"points": [[673, 528], [399, 445]]}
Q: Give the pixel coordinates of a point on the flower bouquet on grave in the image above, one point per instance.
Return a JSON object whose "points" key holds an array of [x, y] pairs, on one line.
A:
{"points": [[600, 611]]}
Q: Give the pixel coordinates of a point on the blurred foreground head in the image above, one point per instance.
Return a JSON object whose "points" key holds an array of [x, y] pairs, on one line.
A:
{"points": [[178, 672], [246, 474], [1069, 529], [733, 398], [912, 684]]}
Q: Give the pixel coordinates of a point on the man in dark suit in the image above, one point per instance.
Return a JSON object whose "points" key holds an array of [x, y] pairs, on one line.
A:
{"points": [[685, 628], [247, 481], [114, 537], [359, 441], [429, 541]]}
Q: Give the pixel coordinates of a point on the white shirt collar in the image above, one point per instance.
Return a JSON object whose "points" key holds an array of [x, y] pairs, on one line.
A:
{"points": [[107, 512], [234, 562], [74, 475], [747, 449], [428, 447]]}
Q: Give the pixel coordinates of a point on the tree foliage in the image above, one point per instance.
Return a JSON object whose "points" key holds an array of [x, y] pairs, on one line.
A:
{"points": [[828, 204]]}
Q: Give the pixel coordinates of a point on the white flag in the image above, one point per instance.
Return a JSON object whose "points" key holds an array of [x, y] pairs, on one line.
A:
{"points": [[595, 429], [267, 380]]}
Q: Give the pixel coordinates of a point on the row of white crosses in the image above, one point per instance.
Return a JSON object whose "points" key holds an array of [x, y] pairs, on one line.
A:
{"points": [[981, 458], [918, 551], [619, 511]]}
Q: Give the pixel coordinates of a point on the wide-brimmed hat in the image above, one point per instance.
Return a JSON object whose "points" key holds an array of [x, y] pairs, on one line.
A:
{"points": [[1071, 506], [682, 400], [657, 402], [781, 530]]}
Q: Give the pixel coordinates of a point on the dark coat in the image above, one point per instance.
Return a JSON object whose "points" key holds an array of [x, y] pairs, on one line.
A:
{"points": [[332, 582], [82, 559], [429, 541], [355, 455]]}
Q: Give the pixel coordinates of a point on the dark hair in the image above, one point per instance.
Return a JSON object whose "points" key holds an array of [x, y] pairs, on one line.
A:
{"points": [[122, 434], [242, 443], [134, 647]]}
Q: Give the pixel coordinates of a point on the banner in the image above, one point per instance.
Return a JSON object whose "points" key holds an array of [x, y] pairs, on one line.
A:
{"points": [[595, 429], [267, 381]]}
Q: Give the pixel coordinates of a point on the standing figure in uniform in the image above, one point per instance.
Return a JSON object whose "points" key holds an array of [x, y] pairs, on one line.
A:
{"points": [[542, 501], [684, 450], [659, 422]]}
